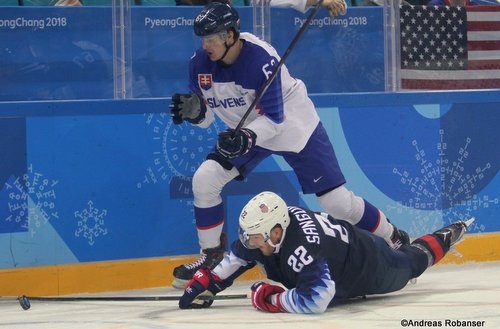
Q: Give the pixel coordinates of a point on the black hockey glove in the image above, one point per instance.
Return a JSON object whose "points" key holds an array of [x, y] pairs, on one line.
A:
{"points": [[189, 107], [230, 146], [204, 283]]}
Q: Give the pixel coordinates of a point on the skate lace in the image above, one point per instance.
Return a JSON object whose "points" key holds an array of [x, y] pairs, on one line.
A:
{"points": [[399, 238], [396, 244], [197, 263]]}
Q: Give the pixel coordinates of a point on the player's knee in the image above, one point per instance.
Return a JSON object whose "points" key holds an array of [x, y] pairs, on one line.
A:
{"points": [[338, 203], [209, 180], [204, 179]]}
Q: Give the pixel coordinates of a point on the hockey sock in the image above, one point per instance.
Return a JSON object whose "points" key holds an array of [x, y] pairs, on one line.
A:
{"points": [[374, 220], [432, 246], [209, 224]]}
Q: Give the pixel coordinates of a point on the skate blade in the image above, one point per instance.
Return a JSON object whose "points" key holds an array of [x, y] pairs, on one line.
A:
{"points": [[469, 221], [455, 253], [452, 250]]}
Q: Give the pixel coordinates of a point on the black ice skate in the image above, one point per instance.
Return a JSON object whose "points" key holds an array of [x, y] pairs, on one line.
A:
{"points": [[210, 257], [399, 238], [453, 234], [437, 244]]}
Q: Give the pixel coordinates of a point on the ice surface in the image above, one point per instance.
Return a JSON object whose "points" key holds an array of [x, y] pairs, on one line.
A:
{"points": [[468, 292]]}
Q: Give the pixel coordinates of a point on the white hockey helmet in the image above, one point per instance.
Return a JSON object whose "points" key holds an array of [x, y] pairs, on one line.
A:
{"points": [[260, 215]]}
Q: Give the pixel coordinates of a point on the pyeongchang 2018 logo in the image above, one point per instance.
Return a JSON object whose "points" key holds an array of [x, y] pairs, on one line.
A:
{"points": [[155, 22]]}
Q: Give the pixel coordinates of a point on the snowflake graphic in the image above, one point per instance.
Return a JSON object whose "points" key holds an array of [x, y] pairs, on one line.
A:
{"points": [[91, 223], [39, 190], [442, 182]]}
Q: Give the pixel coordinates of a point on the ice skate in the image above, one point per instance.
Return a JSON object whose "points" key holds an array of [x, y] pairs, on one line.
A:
{"points": [[453, 234], [437, 244], [210, 257]]}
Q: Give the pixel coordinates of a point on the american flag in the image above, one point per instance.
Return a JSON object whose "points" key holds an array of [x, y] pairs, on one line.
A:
{"points": [[450, 47]]}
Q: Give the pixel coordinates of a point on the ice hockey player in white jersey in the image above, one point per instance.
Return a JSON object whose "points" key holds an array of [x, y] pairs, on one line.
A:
{"points": [[316, 258], [225, 75], [334, 7]]}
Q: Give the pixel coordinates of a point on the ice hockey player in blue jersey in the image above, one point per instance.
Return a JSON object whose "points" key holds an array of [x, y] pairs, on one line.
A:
{"points": [[315, 257], [225, 75]]}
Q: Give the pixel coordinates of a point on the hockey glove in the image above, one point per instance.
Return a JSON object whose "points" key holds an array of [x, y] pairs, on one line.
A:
{"points": [[189, 107], [204, 283], [335, 7], [230, 146], [261, 296]]}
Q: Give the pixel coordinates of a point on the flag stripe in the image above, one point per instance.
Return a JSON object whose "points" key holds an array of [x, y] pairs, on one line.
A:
{"points": [[459, 74], [484, 16], [473, 9], [450, 84], [485, 55], [484, 65], [483, 45], [483, 26], [483, 36]]}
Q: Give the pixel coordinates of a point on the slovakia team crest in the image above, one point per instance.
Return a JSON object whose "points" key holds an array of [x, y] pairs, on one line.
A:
{"points": [[205, 81]]}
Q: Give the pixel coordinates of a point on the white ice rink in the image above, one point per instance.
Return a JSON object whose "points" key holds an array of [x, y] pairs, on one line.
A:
{"points": [[442, 295]]}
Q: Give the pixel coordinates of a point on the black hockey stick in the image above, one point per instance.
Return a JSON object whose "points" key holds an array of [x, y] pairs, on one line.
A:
{"points": [[25, 303], [280, 64]]}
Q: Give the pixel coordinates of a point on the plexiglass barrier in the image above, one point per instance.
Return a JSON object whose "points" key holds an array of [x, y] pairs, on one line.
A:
{"points": [[126, 50], [122, 49]]}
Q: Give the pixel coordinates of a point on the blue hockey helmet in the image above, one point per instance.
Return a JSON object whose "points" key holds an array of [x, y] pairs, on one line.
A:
{"points": [[217, 17]]}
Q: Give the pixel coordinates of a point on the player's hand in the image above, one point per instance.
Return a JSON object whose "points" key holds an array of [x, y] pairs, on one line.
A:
{"points": [[261, 296], [230, 146], [335, 7], [189, 107], [203, 283]]}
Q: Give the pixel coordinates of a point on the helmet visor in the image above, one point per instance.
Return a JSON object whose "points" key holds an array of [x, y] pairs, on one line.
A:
{"points": [[214, 39], [251, 241]]}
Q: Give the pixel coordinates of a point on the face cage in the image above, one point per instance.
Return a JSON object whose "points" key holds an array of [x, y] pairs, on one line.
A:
{"points": [[245, 239]]}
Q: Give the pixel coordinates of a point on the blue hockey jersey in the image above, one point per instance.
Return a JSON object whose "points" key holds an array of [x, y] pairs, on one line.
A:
{"points": [[319, 258]]}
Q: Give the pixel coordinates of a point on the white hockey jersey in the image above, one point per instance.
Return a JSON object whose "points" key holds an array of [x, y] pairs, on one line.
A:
{"points": [[285, 116]]}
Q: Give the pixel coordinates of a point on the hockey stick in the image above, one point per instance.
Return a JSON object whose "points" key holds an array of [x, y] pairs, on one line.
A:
{"points": [[280, 64], [25, 303]]}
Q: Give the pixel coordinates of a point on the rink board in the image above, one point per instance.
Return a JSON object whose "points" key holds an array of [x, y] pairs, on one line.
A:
{"points": [[157, 272], [96, 195]]}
